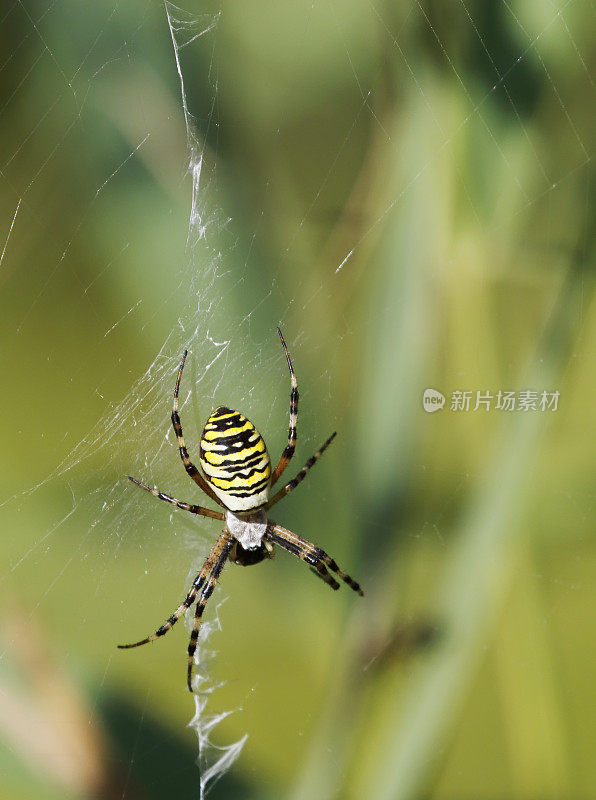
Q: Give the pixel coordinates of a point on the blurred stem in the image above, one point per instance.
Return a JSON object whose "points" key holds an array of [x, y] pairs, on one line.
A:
{"points": [[469, 598], [527, 681]]}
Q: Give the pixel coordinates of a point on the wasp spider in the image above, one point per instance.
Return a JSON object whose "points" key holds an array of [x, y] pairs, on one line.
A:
{"points": [[237, 476]]}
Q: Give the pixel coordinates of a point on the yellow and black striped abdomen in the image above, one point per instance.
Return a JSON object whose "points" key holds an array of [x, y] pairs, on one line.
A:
{"points": [[235, 460]]}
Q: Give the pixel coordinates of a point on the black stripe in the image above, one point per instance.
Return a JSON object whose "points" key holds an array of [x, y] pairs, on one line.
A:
{"points": [[227, 441], [292, 548], [322, 573], [231, 474], [256, 489], [238, 465], [297, 550], [176, 423], [222, 424], [223, 410], [208, 592]]}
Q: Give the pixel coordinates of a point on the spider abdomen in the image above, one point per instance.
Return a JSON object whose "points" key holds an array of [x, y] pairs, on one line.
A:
{"points": [[235, 460]]}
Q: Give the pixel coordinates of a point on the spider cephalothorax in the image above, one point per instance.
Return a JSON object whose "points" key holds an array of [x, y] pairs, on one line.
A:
{"points": [[237, 476]]}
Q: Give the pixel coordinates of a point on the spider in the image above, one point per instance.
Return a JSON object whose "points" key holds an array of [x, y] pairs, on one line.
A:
{"points": [[237, 476]]}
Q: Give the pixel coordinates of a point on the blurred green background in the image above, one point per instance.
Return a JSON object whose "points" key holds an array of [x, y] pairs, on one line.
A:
{"points": [[407, 189]]}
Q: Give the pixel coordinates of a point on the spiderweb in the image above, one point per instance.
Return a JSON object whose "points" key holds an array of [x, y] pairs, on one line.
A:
{"points": [[130, 435], [129, 106]]}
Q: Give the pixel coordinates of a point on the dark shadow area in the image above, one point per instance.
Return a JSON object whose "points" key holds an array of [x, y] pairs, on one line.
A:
{"points": [[155, 765]]}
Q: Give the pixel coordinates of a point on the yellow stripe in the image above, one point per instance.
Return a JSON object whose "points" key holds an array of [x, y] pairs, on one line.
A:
{"points": [[221, 472], [239, 482], [212, 436], [215, 416], [211, 457], [214, 447]]}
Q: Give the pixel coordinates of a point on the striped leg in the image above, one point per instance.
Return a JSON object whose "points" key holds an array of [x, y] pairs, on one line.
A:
{"points": [[316, 566], [324, 576], [188, 465], [205, 512], [291, 445], [313, 555], [301, 475], [214, 565], [330, 562], [190, 598]]}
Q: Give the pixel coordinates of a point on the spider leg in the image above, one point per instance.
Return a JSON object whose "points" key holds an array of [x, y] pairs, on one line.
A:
{"points": [[301, 475], [291, 445], [325, 576], [213, 565], [205, 512], [331, 563], [190, 598], [316, 565], [313, 555], [188, 465]]}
